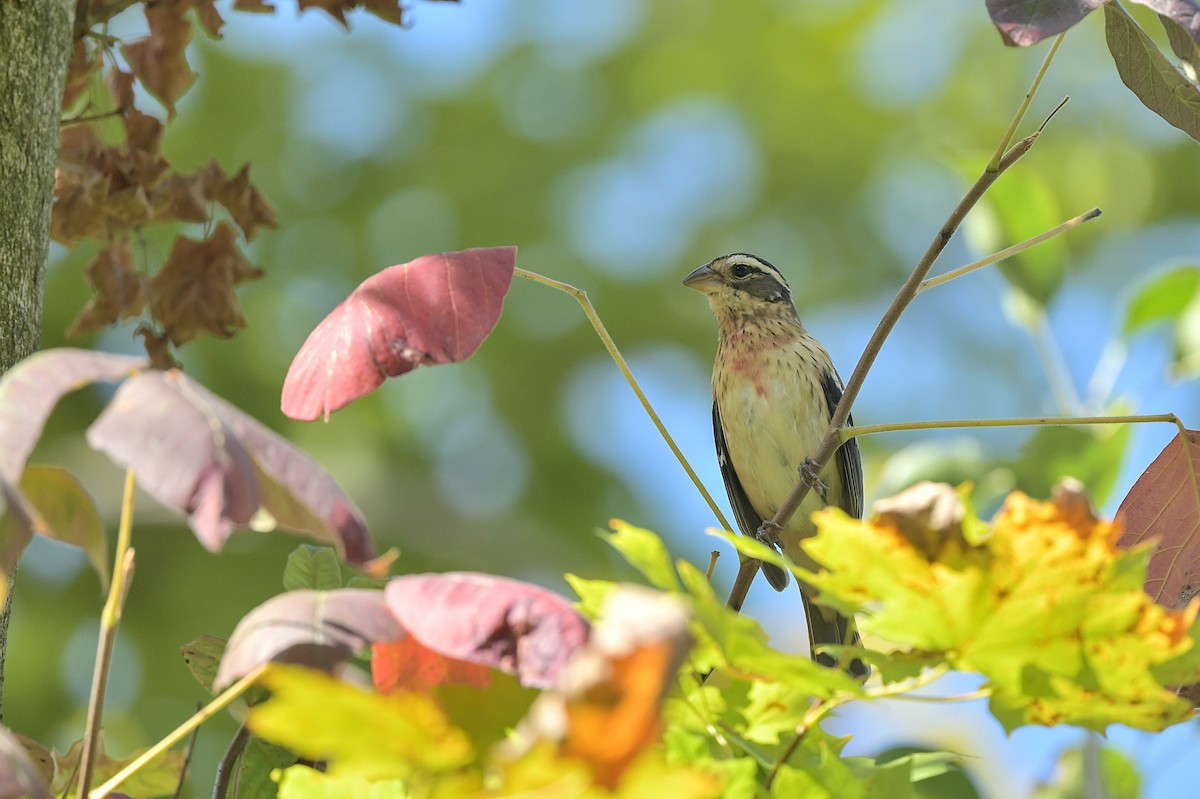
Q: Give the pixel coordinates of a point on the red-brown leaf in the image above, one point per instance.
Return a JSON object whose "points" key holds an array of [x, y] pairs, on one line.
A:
{"points": [[1164, 504], [436, 309], [159, 60], [322, 629], [120, 289], [85, 62], [245, 204], [1025, 22], [193, 292], [504, 624]]}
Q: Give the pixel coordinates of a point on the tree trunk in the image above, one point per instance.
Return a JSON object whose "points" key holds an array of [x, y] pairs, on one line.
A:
{"points": [[35, 46]]}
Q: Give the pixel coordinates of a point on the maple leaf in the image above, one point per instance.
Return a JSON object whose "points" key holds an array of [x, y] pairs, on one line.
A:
{"points": [[85, 62], [120, 289], [1045, 606], [409, 665], [193, 292], [245, 204], [253, 6], [159, 60], [334, 8], [120, 86], [208, 17], [1164, 506]]}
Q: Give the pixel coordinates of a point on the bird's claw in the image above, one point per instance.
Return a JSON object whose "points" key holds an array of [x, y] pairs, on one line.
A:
{"points": [[808, 473], [768, 533]]}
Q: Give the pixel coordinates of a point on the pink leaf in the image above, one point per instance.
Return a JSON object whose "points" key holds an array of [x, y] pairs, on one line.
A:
{"points": [[517, 627], [322, 629], [203, 457], [30, 390], [1164, 503], [436, 309]]}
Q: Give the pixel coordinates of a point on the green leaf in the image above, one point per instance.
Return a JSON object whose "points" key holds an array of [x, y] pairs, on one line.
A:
{"points": [[488, 714], [740, 646], [934, 775], [1187, 342], [202, 657], [591, 593], [259, 760], [302, 782], [1092, 454], [1161, 298], [1023, 205], [1118, 776], [1183, 45], [645, 552], [362, 734], [312, 567], [1148, 73], [67, 513]]}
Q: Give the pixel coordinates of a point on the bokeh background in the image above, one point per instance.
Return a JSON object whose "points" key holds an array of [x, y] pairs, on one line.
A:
{"points": [[620, 145]]}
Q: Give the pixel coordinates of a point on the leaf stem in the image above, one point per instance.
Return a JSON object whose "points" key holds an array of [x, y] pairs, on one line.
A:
{"points": [[1027, 421], [110, 619], [1009, 252], [610, 345], [179, 733]]}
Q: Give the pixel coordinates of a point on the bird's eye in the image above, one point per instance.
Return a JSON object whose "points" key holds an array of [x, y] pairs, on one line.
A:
{"points": [[741, 271]]}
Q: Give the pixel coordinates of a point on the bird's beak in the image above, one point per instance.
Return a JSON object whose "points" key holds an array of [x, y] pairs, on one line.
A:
{"points": [[703, 280]]}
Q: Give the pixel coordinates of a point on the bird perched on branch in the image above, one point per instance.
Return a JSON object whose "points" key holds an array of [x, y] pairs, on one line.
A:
{"points": [[774, 392]]}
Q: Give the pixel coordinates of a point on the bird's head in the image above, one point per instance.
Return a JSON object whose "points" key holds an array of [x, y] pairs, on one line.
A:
{"points": [[741, 284]]}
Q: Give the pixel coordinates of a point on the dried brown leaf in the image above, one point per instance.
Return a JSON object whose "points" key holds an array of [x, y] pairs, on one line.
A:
{"points": [[120, 289], [208, 17], [120, 86], [159, 60], [193, 292], [85, 62], [334, 8], [245, 203]]}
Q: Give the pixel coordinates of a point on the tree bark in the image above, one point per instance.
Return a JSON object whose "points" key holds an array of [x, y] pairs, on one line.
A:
{"points": [[35, 46]]}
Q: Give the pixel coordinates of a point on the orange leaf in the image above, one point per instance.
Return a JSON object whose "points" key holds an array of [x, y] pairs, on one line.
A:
{"points": [[407, 665]]}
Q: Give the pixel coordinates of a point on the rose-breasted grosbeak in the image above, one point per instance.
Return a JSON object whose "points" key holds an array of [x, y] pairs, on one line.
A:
{"points": [[774, 392]]}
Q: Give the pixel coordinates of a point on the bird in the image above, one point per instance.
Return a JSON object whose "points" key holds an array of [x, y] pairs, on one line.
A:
{"points": [[774, 392]]}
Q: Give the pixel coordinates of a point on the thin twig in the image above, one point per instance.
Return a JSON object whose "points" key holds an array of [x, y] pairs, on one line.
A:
{"points": [[228, 765], [997, 157], [1009, 252], [179, 733], [858, 431], [593, 317], [187, 759], [712, 564], [110, 619]]}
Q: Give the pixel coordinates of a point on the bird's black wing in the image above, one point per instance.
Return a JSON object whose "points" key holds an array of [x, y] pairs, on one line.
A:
{"points": [[849, 460], [747, 518]]}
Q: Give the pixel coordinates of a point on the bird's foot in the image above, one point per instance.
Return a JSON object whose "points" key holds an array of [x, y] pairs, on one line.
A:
{"points": [[768, 533], [808, 473]]}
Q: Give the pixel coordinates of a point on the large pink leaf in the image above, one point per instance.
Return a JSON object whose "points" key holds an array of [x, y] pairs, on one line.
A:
{"points": [[183, 453], [30, 390], [203, 457], [436, 309], [504, 624], [322, 629], [1025, 22], [1164, 504]]}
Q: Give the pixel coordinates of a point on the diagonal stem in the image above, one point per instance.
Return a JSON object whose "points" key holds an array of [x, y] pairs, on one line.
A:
{"points": [[610, 345]]}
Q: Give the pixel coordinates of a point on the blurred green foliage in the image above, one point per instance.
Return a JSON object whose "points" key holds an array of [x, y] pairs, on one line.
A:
{"points": [[618, 148]]}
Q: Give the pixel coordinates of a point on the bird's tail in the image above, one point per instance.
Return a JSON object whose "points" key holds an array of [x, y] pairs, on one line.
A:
{"points": [[827, 626]]}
